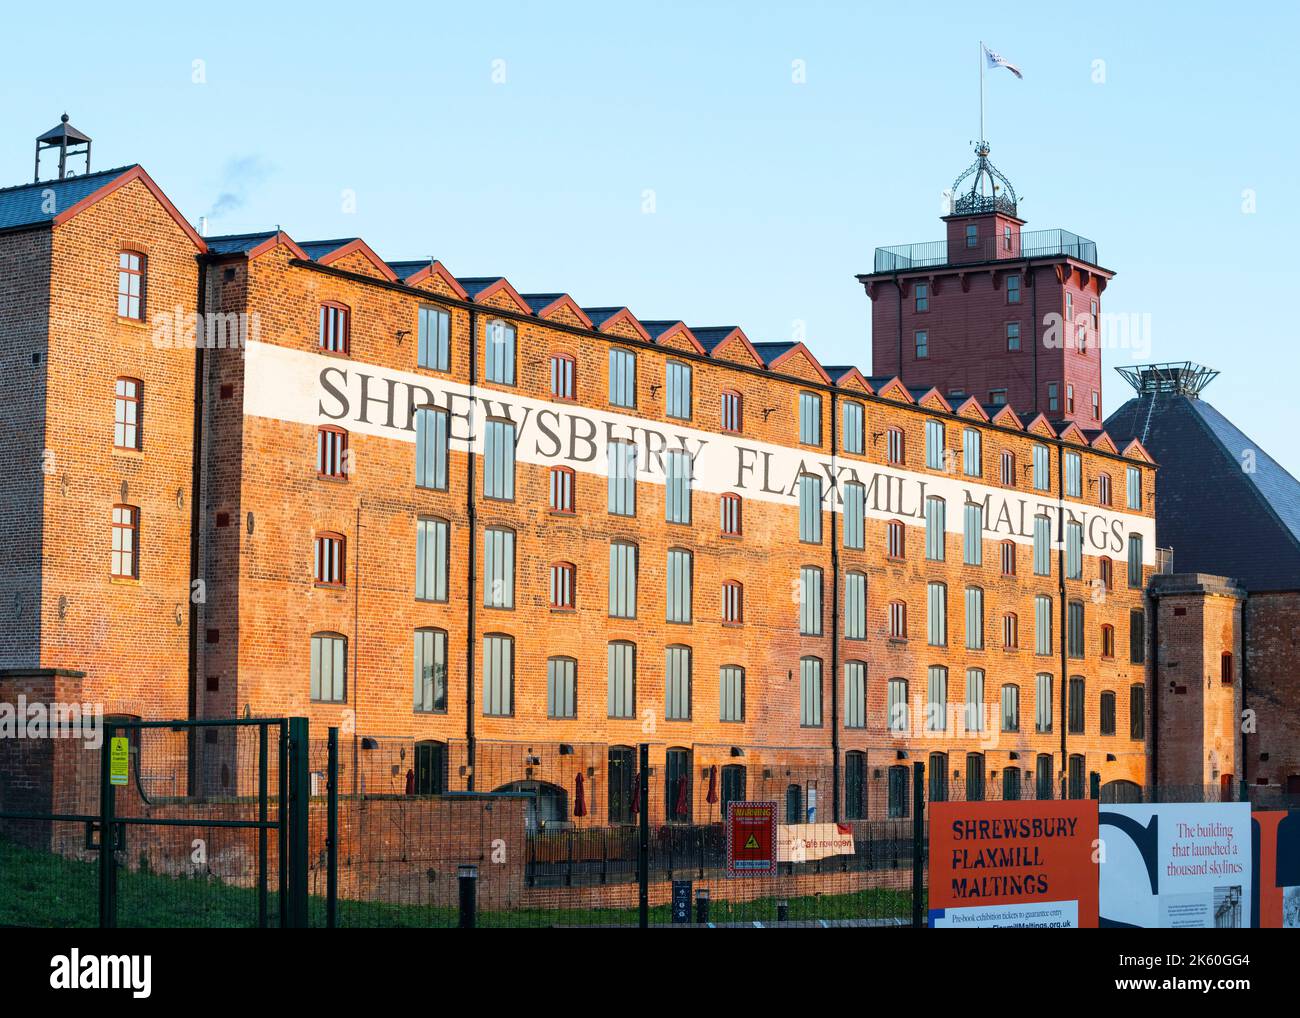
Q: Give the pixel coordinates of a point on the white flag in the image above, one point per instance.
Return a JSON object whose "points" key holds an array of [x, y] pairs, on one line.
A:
{"points": [[995, 60]]}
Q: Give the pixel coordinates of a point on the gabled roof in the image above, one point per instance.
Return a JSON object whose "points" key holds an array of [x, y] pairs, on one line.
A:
{"points": [[238, 243], [544, 305], [326, 252], [481, 288], [773, 354], [603, 318], [662, 331], [417, 271], [1225, 506]]}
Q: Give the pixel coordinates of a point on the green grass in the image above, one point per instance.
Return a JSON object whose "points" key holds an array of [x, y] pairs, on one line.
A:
{"points": [[45, 889]]}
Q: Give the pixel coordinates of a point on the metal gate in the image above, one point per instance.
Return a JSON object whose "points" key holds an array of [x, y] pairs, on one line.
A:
{"points": [[159, 824]]}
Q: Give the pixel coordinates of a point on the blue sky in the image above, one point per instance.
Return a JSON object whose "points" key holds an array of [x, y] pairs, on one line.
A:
{"points": [[768, 195]]}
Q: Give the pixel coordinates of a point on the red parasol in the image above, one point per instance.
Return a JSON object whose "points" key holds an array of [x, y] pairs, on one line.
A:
{"points": [[579, 798], [636, 793], [712, 797], [683, 807]]}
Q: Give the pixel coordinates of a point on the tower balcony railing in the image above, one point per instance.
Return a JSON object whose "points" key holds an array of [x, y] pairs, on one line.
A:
{"points": [[1028, 244]]}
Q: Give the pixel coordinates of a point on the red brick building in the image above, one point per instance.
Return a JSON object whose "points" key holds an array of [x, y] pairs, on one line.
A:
{"points": [[501, 537]]}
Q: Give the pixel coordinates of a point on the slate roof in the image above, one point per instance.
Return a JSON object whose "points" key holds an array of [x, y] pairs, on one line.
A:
{"points": [[1218, 516], [237, 243], [474, 285], [30, 204], [318, 249], [711, 335]]}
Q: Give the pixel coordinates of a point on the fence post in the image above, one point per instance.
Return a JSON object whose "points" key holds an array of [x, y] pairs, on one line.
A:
{"points": [[299, 802], [467, 881], [643, 846], [107, 859], [332, 833], [262, 799], [918, 839], [282, 825]]}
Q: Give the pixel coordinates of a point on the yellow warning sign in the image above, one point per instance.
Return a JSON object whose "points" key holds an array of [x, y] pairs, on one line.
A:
{"points": [[119, 756], [752, 842]]}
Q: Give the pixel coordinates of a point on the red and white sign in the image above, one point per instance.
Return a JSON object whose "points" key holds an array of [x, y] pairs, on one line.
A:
{"points": [[751, 839]]}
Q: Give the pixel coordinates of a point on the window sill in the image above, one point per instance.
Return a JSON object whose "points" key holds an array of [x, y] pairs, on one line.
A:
{"points": [[138, 323], [129, 581], [329, 586], [126, 450], [332, 478], [733, 625]]}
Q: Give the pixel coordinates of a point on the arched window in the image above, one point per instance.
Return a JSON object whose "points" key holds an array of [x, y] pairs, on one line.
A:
{"points": [[896, 545], [561, 687], [1108, 641], [498, 675], [330, 559], [1106, 572], [733, 603], [563, 483], [335, 328], [621, 779], [1103, 488], [564, 377], [331, 452], [732, 411], [563, 585], [898, 620], [1008, 558], [855, 785], [974, 777], [547, 804], [938, 777], [1010, 631], [731, 514]]}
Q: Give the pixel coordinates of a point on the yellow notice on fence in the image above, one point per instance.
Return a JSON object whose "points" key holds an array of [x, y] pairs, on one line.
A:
{"points": [[119, 756]]}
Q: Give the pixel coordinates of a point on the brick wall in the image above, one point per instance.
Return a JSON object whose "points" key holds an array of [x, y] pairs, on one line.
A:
{"points": [[1273, 689]]}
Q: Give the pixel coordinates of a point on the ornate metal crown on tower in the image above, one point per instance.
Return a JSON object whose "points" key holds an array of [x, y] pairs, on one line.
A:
{"points": [[988, 189]]}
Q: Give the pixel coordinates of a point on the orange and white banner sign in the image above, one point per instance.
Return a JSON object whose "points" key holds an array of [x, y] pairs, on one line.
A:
{"points": [[808, 842]]}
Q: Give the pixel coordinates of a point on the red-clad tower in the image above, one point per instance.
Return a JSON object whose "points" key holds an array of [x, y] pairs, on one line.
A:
{"points": [[994, 311]]}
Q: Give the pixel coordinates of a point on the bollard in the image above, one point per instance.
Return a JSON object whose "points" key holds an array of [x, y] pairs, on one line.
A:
{"points": [[783, 911], [467, 875], [702, 906]]}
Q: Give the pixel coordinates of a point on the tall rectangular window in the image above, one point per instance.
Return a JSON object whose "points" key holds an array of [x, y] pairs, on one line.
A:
{"points": [[1053, 396], [1106, 713], [564, 380], [936, 708], [1013, 336], [936, 621], [1043, 702], [329, 667], [855, 606], [1073, 475], [1042, 624], [563, 585], [895, 445], [934, 449], [621, 692], [1135, 560], [431, 547], [622, 478], [500, 352], [810, 509], [973, 543], [622, 378], [430, 680], [622, 580], [561, 687], [335, 328], [1042, 468], [810, 601], [499, 461], [498, 675], [678, 379], [922, 340], [1137, 723], [431, 449], [935, 528], [677, 498], [130, 285], [1075, 628], [678, 585], [974, 618], [1007, 469], [730, 507], [895, 540], [498, 568], [974, 700], [126, 413], [810, 692], [1076, 705], [561, 489], [1013, 288], [855, 694], [1137, 637], [851, 429], [732, 415], [677, 683], [855, 514], [733, 603], [1074, 550], [1042, 546], [434, 340], [972, 453], [126, 533], [1134, 487], [731, 693], [331, 452], [330, 569], [810, 418], [1010, 708], [896, 708], [922, 297]]}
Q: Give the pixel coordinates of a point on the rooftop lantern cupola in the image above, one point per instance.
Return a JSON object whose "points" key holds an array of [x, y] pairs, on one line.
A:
{"points": [[982, 188], [69, 142]]}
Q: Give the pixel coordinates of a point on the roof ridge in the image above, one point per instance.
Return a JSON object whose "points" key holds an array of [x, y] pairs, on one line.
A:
{"points": [[116, 171]]}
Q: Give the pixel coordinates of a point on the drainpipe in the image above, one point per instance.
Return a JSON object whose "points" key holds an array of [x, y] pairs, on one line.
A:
{"points": [[196, 494], [472, 560], [1153, 657], [1065, 620], [1037, 338], [835, 620], [899, 285]]}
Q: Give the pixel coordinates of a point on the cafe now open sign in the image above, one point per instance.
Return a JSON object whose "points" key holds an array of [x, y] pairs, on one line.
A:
{"points": [[751, 839]]}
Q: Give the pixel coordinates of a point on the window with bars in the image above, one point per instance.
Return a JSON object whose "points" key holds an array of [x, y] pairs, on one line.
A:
{"points": [[431, 428], [677, 500], [335, 328], [732, 412], [331, 452], [499, 461], [127, 393], [731, 523], [561, 687], [621, 680], [430, 678], [855, 694], [810, 601], [898, 620], [622, 580], [678, 379], [855, 514], [810, 509], [1043, 778], [499, 350], [563, 377], [855, 606], [895, 446], [810, 418], [130, 285], [896, 706], [329, 657], [851, 427], [677, 683], [895, 539], [432, 545], [330, 567], [622, 378], [498, 675], [936, 621], [677, 586], [810, 692], [433, 343], [733, 603], [564, 577], [1043, 702], [125, 542], [498, 568], [562, 484], [731, 693]]}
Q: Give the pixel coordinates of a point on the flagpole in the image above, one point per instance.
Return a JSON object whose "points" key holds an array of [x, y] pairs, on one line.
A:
{"points": [[981, 60]]}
